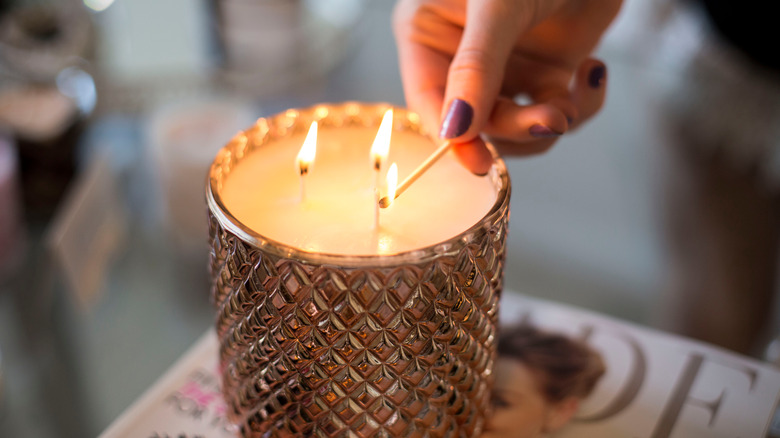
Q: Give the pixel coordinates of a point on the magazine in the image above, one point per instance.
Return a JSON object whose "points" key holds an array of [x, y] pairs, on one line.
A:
{"points": [[634, 382]]}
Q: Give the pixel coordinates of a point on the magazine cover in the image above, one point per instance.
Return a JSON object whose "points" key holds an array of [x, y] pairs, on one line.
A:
{"points": [[562, 372], [656, 385]]}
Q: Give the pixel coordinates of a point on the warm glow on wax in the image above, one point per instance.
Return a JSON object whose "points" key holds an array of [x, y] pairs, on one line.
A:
{"points": [[381, 146]]}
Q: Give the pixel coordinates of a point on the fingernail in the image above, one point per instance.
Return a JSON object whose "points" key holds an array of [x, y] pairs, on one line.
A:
{"points": [[457, 120], [540, 131], [596, 76]]}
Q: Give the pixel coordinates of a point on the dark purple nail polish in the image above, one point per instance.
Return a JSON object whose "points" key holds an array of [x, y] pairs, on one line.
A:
{"points": [[540, 131], [596, 76], [457, 120]]}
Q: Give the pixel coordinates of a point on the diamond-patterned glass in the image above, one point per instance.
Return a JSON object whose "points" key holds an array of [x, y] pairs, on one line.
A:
{"points": [[341, 346]]}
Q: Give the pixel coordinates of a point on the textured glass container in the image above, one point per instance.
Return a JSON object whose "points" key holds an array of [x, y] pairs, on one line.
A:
{"points": [[354, 346]]}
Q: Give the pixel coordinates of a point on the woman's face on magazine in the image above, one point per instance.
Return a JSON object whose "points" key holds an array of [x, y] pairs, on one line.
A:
{"points": [[519, 408]]}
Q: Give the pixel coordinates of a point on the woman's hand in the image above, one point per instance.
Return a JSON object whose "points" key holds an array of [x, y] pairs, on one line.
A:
{"points": [[463, 62]]}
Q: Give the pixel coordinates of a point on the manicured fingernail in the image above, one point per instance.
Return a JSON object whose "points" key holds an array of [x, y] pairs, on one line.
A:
{"points": [[457, 120], [596, 76], [540, 131]]}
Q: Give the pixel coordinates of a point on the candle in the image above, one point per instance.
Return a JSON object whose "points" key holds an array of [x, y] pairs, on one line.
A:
{"points": [[337, 215], [332, 325], [181, 140]]}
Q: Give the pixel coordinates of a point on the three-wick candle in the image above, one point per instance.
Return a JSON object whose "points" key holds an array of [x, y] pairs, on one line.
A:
{"points": [[336, 215]]}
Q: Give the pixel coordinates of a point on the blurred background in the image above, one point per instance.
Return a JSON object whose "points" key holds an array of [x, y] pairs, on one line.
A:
{"points": [[111, 111]]}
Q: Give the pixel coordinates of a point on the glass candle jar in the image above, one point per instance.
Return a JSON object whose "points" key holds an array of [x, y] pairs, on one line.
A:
{"points": [[323, 344]]}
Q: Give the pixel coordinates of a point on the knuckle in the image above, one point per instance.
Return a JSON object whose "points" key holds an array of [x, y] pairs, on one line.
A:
{"points": [[416, 20], [471, 61], [408, 13], [403, 15]]}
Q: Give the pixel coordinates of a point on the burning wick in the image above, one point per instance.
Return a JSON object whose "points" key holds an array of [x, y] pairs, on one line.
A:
{"points": [[392, 182], [381, 146], [422, 168], [305, 159], [379, 151]]}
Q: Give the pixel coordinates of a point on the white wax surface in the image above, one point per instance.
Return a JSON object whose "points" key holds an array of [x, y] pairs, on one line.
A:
{"points": [[337, 216]]}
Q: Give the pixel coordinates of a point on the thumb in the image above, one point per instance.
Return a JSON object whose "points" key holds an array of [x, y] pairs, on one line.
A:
{"points": [[477, 70]]}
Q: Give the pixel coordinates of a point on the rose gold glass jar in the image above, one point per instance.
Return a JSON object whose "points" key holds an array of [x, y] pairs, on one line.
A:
{"points": [[333, 345]]}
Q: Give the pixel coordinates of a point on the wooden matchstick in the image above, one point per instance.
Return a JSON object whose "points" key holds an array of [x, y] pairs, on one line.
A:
{"points": [[422, 168]]}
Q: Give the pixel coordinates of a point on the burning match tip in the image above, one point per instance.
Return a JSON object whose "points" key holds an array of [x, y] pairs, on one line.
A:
{"points": [[384, 202]]}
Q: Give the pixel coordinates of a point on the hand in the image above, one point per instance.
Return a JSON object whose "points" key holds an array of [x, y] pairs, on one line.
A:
{"points": [[464, 61]]}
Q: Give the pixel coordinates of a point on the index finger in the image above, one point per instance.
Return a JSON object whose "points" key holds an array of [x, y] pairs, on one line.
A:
{"points": [[425, 42]]}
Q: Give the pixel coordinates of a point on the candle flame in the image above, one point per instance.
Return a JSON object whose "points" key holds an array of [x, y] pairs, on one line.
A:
{"points": [[381, 146], [305, 157], [392, 183]]}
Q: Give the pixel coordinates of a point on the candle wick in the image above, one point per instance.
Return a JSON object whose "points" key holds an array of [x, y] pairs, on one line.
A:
{"points": [[377, 172], [422, 168], [304, 170]]}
